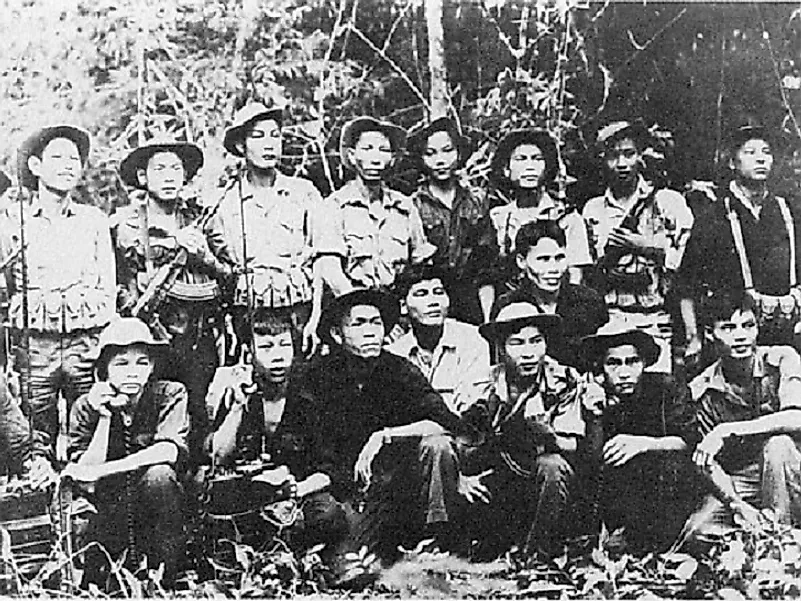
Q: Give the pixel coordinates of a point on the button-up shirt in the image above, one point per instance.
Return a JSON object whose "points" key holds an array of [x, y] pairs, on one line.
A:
{"points": [[160, 415], [377, 238], [774, 384], [458, 366], [666, 221], [712, 262], [351, 399], [555, 400], [509, 218], [280, 223], [71, 269], [459, 232]]}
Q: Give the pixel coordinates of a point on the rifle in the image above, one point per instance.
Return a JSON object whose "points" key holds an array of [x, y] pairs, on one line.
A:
{"points": [[608, 268], [148, 304]]}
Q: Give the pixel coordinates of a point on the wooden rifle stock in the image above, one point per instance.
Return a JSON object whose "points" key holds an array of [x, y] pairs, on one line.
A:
{"points": [[148, 304]]}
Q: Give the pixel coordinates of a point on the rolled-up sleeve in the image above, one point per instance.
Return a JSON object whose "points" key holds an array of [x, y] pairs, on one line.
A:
{"points": [[678, 224], [173, 419], [328, 237], [420, 248]]}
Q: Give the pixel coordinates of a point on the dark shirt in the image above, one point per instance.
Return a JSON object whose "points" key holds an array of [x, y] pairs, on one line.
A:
{"points": [[711, 262], [719, 401], [352, 399], [661, 407], [160, 415], [288, 445], [582, 310], [464, 240]]}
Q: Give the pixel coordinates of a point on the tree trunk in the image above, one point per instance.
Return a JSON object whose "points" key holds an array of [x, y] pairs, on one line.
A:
{"points": [[436, 58]]}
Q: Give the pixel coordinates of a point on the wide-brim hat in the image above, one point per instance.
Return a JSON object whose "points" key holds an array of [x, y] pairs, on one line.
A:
{"points": [[611, 336], [190, 154], [617, 130], [422, 131], [356, 127], [514, 315], [244, 118], [123, 332], [752, 129], [36, 142], [386, 304], [540, 138]]}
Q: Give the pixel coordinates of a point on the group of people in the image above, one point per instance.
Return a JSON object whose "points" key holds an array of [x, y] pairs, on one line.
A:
{"points": [[485, 370]]}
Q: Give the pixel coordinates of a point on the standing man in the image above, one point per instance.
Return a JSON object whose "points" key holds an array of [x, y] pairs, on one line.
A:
{"points": [[522, 467], [150, 233], [526, 164], [372, 232], [128, 436], [452, 355], [644, 433], [748, 238], [274, 218], [749, 416], [454, 215], [638, 234], [380, 430], [69, 301]]}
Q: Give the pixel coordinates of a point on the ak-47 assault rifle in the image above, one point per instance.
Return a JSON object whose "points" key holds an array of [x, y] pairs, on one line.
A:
{"points": [[164, 281]]}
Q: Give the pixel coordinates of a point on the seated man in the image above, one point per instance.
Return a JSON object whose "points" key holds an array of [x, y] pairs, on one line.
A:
{"points": [[527, 431], [127, 435], [452, 355], [541, 255], [379, 429], [749, 414], [253, 418], [640, 436]]}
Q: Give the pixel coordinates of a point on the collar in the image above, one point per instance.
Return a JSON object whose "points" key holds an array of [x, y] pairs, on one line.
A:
{"points": [[737, 191], [356, 193], [643, 189], [280, 187], [448, 341], [712, 377], [67, 208]]}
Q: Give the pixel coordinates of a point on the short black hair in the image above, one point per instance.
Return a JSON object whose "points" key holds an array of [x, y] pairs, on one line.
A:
{"points": [[267, 323], [722, 304], [101, 364], [421, 272], [531, 233]]}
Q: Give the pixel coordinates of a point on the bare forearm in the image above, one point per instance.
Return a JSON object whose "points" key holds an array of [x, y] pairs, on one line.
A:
{"points": [[422, 428], [566, 444], [687, 311], [160, 452], [223, 442], [781, 422], [97, 451], [668, 444], [330, 267], [486, 297], [721, 482]]}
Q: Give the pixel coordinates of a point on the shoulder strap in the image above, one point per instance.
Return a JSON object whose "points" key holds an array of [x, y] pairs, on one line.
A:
{"points": [[788, 223], [739, 244]]}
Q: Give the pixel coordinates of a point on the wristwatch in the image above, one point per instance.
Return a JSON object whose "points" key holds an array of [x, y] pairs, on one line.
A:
{"points": [[386, 436]]}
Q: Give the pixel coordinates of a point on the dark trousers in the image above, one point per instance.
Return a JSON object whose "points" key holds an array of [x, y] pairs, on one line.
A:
{"points": [[414, 491], [192, 361], [151, 519], [529, 511], [651, 496], [59, 363]]}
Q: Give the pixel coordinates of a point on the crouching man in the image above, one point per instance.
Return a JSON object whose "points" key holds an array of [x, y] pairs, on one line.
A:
{"points": [[527, 429], [253, 418], [126, 436], [749, 413], [380, 430], [641, 439]]}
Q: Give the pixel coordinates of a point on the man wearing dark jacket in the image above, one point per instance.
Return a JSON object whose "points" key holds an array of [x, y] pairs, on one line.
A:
{"points": [[380, 431], [642, 434]]}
